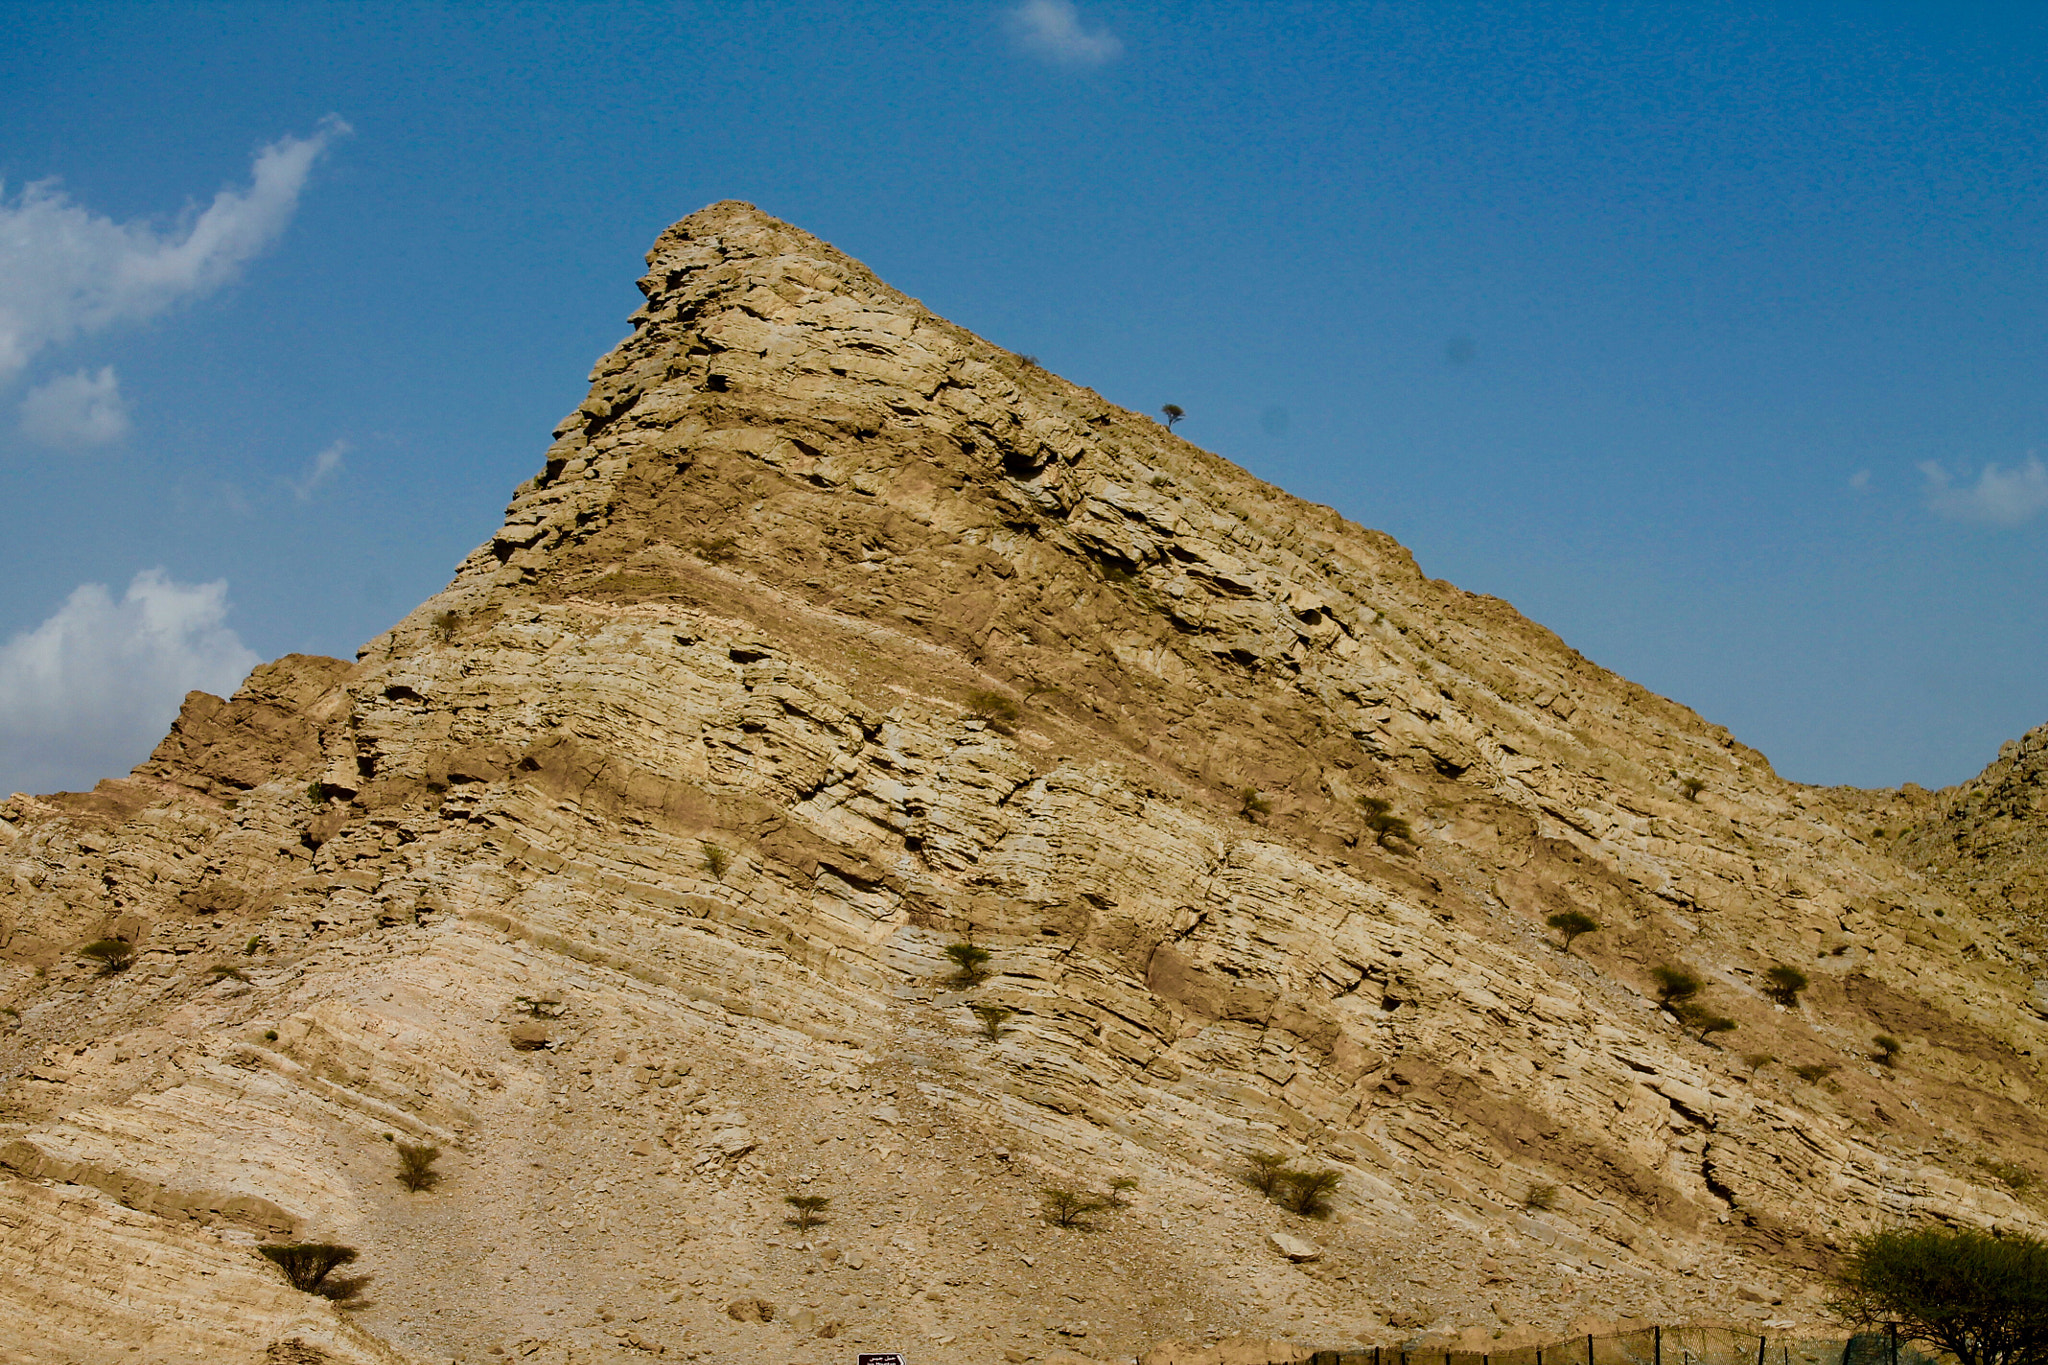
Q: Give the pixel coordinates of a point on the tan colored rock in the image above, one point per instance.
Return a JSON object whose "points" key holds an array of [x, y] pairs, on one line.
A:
{"points": [[830, 635]]}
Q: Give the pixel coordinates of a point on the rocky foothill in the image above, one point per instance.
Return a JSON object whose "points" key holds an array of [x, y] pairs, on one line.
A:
{"points": [[830, 638]]}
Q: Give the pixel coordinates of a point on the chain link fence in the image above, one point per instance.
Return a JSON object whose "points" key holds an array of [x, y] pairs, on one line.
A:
{"points": [[1662, 1346]]}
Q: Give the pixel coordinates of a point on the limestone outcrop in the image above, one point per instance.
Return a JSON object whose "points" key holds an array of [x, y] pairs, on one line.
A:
{"points": [[830, 637]]}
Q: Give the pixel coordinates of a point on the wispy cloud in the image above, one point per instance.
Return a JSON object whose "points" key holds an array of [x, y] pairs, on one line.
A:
{"points": [[1052, 29], [89, 692], [325, 466], [1999, 497], [65, 271], [76, 411]]}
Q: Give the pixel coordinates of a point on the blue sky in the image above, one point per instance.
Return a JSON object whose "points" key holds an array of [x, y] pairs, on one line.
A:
{"points": [[1712, 337]]}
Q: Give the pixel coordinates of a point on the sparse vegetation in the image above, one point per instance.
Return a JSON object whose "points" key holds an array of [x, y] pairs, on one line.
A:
{"points": [[1704, 1022], [1306, 1192], [270, 1035], [223, 971], [809, 1210], [307, 1264], [1692, 787], [995, 710], [970, 963], [1675, 985], [2012, 1175], [992, 1017], [1813, 1073], [1384, 824], [112, 954], [1120, 1191], [1065, 1208], [1884, 1050], [416, 1166], [316, 792], [718, 550], [1783, 984], [1172, 412], [254, 945], [1981, 1297], [716, 861], [1268, 1170], [1251, 803], [444, 625], [1539, 1197], [1571, 924], [1757, 1061]]}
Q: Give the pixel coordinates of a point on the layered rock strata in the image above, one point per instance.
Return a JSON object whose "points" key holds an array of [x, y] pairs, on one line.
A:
{"points": [[830, 637]]}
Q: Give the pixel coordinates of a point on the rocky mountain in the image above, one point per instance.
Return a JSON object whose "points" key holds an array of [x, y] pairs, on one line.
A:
{"points": [[831, 638]]}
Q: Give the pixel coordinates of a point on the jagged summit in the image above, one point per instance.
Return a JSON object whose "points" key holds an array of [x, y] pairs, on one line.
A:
{"points": [[831, 636]]}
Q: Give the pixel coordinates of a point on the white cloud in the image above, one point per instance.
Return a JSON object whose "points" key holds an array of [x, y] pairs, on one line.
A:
{"points": [[324, 467], [75, 411], [1052, 29], [89, 692], [2000, 497], [66, 271]]}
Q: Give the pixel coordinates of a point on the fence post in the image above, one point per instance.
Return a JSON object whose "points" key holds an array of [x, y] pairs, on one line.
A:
{"points": [[1656, 1346], [1589, 1348], [1760, 1340], [1894, 1342]]}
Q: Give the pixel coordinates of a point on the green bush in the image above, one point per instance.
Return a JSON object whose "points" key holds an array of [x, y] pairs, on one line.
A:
{"points": [[1692, 787], [1268, 1170], [995, 710], [1119, 1191], [1784, 984], [306, 1264], [810, 1210], [2012, 1175], [1305, 1191], [1383, 823], [1814, 1072], [416, 1166], [1704, 1022], [1675, 985], [1172, 412], [992, 1017], [1251, 804], [1884, 1050], [1979, 1296], [970, 963], [1571, 924], [1066, 1208], [112, 954], [1539, 1197], [716, 861]]}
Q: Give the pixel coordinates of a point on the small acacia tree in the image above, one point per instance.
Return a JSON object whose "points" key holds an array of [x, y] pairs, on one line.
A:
{"points": [[1783, 984], [1704, 1023], [1268, 1170], [1384, 824], [1065, 1208], [1172, 412], [1571, 924], [970, 962], [1981, 1298], [1675, 986], [992, 1017], [1884, 1050], [1305, 1191], [113, 954]]}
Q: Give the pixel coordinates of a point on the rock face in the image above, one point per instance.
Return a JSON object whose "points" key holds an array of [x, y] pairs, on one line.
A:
{"points": [[830, 637]]}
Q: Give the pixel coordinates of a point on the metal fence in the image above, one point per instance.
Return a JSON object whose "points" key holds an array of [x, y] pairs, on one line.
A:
{"points": [[1662, 1346]]}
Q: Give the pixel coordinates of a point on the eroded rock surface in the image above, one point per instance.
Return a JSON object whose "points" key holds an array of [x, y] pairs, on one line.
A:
{"points": [[828, 637]]}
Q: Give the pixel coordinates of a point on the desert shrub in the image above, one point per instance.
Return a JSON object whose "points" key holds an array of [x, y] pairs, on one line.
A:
{"points": [[1305, 1191], [1884, 1049], [1814, 1072], [270, 1035], [1571, 924], [1692, 787], [1981, 1297], [1268, 1169], [306, 1264], [970, 963], [1383, 823], [1172, 412], [1065, 1208], [1539, 1197], [1675, 985], [444, 625], [995, 710], [1032, 361], [1757, 1061], [113, 954], [316, 792], [809, 1210], [716, 861], [416, 1166], [223, 971], [992, 1017], [1704, 1022], [1251, 803], [1119, 1191], [1783, 984], [2012, 1175], [718, 550]]}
